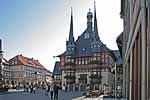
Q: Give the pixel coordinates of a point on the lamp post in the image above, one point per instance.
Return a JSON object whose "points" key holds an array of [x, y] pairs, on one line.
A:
{"points": [[1, 76], [1, 57], [115, 81]]}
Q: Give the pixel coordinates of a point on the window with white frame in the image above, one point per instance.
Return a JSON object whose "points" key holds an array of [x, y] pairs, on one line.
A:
{"points": [[72, 60], [86, 62], [94, 58], [82, 61], [79, 62]]}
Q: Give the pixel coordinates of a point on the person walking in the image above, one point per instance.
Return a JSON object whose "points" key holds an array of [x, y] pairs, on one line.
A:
{"points": [[51, 88], [46, 90], [24, 86], [56, 88], [88, 90], [66, 88], [34, 89], [31, 88], [27, 87]]}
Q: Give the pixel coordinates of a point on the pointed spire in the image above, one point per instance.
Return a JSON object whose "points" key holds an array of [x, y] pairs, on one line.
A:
{"points": [[95, 22], [71, 38]]}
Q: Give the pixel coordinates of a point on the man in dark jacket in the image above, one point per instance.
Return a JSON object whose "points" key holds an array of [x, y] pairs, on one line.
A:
{"points": [[56, 88]]}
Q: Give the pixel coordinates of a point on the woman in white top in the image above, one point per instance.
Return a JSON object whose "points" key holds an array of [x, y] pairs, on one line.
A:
{"points": [[51, 90]]}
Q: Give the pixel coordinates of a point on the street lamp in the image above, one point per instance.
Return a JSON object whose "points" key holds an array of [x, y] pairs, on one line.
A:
{"points": [[1, 57], [115, 68], [1, 76]]}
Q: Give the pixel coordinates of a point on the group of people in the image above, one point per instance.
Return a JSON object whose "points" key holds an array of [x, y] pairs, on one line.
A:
{"points": [[53, 90], [32, 87], [49, 88], [72, 87]]}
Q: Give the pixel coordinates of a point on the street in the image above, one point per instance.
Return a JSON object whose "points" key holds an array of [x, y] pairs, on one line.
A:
{"points": [[39, 95]]}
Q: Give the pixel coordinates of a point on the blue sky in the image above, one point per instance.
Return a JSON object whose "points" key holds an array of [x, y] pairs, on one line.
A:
{"points": [[39, 28]]}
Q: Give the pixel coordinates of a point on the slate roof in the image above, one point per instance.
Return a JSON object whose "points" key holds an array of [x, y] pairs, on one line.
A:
{"points": [[87, 46], [83, 46], [119, 42], [118, 56], [57, 69]]}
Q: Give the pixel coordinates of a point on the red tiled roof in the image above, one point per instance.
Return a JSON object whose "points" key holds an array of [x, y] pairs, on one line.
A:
{"points": [[21, 60]]}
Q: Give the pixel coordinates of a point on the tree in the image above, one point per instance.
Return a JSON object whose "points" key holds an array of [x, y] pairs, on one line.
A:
{"points": [[69, 77], [70, 63], [98, 62]]}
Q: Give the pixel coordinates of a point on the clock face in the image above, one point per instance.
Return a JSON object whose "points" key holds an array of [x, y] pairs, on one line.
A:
{"points": [[86, 35]]}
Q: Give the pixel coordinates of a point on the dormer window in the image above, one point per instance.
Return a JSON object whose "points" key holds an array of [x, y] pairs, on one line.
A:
{"points": [[83, 49], [69, 49], [15, 62], [86, 35], [30, 62]]}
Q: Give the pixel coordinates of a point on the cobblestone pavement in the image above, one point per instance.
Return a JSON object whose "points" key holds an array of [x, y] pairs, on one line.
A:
{"points": [[39, 95]]}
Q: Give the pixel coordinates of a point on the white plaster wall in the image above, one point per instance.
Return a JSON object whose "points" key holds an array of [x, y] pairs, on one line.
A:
{"points": [[63, 79], [104, 77], [107, 78]]}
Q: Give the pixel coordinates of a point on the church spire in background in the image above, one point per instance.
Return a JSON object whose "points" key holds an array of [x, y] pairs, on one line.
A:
{"points": [[95, 22], [71, 38]]}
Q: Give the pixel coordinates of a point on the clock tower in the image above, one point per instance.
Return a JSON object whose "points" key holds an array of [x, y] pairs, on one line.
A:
{"points": [[89, 20], [70, 44]]}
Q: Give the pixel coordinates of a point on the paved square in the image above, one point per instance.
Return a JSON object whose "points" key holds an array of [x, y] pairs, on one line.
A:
{"points": [[39, 95]]}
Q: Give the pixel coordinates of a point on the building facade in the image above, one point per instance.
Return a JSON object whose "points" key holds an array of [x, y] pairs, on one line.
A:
{"points": [[135, 49], [48, 76], [87, 60], [118, 70], [148, 15], [57, 74], [27, 70], [6, 73]]}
